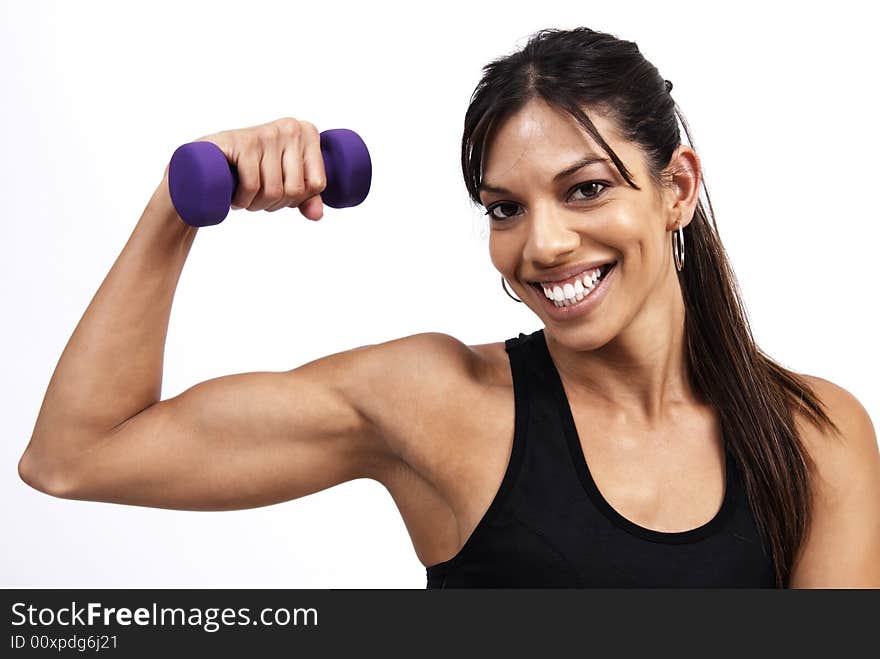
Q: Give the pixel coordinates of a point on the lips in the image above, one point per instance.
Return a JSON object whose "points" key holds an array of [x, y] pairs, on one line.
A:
{"points": [[584, 306]]}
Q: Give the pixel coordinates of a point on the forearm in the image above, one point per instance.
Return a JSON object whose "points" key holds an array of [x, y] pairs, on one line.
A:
{"points": [[111, 368]]}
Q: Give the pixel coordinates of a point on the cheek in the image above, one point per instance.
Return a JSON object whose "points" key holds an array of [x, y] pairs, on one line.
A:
{"points": [[501, 253], [639, 229], [627, 234], [637, 239]]}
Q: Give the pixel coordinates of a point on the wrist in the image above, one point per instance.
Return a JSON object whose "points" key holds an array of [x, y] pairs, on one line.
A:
{"points": [[161, 224]]}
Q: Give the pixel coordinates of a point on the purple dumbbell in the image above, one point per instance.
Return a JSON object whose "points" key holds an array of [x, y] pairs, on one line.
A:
{"points": [[202, 182]]}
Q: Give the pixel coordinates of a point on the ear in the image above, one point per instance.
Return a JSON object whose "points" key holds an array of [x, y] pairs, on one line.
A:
{"points": [[684, 192]]}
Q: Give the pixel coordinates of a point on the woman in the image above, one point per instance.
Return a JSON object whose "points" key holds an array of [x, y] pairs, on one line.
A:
{"points": [[639, 439]]}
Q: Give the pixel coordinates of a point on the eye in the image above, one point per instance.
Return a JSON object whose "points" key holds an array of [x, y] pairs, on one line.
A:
{"points": [[508, 205], [491, 210], [587, 185]]}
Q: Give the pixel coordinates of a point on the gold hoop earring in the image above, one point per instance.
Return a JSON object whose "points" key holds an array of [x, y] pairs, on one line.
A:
{"points": [[678, 248], [504, 286]]}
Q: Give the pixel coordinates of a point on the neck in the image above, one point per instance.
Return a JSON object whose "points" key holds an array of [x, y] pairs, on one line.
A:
{"points": [[640, 375]]}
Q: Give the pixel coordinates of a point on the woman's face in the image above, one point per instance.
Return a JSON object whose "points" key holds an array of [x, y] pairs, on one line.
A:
{"points": [[543, 226]]}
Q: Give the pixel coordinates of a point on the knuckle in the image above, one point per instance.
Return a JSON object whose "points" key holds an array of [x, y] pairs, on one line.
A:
{"points": [[288, 126], [309, 127], [316, 184]]}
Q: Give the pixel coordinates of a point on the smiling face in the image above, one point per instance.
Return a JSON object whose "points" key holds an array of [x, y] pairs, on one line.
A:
{"points": [[547, 227]]}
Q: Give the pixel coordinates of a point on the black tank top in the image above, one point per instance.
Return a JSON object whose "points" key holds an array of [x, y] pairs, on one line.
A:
{"points": [[550, 526]]}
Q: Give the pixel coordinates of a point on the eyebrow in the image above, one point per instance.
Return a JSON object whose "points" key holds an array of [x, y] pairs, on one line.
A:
{"points": [[583, 162]]}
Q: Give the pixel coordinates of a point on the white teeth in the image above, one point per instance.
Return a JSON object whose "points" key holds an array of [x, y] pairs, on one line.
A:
{"points": [[563, 296]]}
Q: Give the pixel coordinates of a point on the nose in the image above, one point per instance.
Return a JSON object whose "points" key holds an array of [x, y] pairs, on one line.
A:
{"points": [[550, 238]]}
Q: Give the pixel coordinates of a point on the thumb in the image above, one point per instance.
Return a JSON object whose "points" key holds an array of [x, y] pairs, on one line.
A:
{"points": [[312, 208]]}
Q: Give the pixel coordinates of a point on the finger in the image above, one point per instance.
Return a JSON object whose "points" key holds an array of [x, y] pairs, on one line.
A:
{"points": [[291, 170], [313, 160], [272, 189], [292, 166], [248, 169]]}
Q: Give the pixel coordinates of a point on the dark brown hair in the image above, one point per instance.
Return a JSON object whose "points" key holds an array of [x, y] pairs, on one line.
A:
{"points": [[755, 397]]}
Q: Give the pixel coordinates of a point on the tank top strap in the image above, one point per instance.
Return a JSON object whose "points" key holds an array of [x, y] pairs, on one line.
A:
{"points": [[526, 353], [532, 365], [541, 430]]}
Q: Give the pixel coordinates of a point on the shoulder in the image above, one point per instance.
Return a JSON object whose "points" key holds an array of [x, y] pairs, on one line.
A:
{"points": [[421, 381], [426, 358], [852, 444], [843, 542], [431, 399], [433, 359], [854, 434]]}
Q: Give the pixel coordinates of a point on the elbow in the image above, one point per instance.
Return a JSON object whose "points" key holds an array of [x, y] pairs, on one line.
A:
{"points": [[45, 478]]}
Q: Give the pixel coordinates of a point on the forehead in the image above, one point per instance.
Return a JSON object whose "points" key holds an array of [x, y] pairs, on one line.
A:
{"points": [[540, 136]]}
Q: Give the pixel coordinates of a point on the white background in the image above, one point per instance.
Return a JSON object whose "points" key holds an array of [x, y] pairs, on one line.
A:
{"points": [[96, 96]]}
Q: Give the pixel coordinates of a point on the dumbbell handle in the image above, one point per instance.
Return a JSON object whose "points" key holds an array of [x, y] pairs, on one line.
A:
{"points": [[202, 181]]}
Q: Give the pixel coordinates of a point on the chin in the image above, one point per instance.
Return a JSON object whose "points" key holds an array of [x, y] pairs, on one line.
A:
{"points": [[577, 338]]}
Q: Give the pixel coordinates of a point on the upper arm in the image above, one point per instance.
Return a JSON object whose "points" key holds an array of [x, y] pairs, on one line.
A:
{"points": [[254, 439], [842, 548]]}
